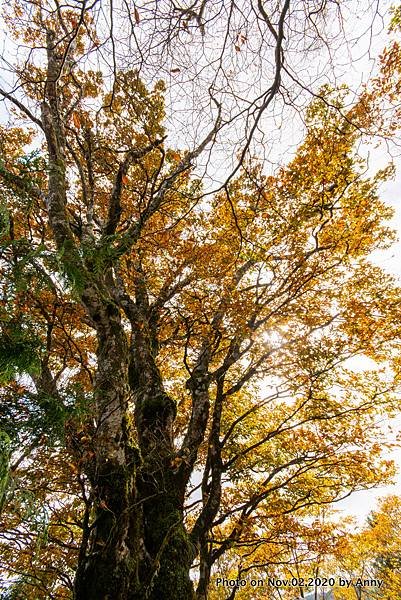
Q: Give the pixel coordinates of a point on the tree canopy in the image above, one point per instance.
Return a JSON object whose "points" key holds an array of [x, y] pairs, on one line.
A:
{"points": [[178, 400]]}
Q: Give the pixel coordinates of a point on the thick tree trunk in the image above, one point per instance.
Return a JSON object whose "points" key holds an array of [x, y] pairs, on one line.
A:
{"points": [[109, 570], [108, 562], [138, 548], [170, 551], [120, 564]]}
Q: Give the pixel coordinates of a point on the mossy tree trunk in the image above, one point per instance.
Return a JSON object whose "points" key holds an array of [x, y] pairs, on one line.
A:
{"points": [[138, 547], [109, 559], [167, 542]]}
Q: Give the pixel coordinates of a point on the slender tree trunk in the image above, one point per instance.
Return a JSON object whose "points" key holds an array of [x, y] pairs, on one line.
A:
{"points": [[204, 571]]}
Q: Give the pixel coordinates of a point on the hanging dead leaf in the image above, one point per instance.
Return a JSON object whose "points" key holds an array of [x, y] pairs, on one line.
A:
{"points": [[176, 462], [76, 120], [137, 17]]}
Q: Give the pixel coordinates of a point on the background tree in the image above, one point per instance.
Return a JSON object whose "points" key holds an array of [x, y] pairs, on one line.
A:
{"points": [[142, 314], [373, 552]]}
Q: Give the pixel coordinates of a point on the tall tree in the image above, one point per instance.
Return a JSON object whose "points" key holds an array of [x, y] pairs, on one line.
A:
{"points": [[149, 312]]}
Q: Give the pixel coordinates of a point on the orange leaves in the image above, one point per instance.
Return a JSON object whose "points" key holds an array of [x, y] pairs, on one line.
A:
{"points": [[40, 533], [173, 155]]}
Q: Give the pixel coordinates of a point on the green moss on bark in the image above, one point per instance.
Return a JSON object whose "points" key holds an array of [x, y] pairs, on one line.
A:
{"points": [[168, 543], [109, 571], [173, 562]]}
